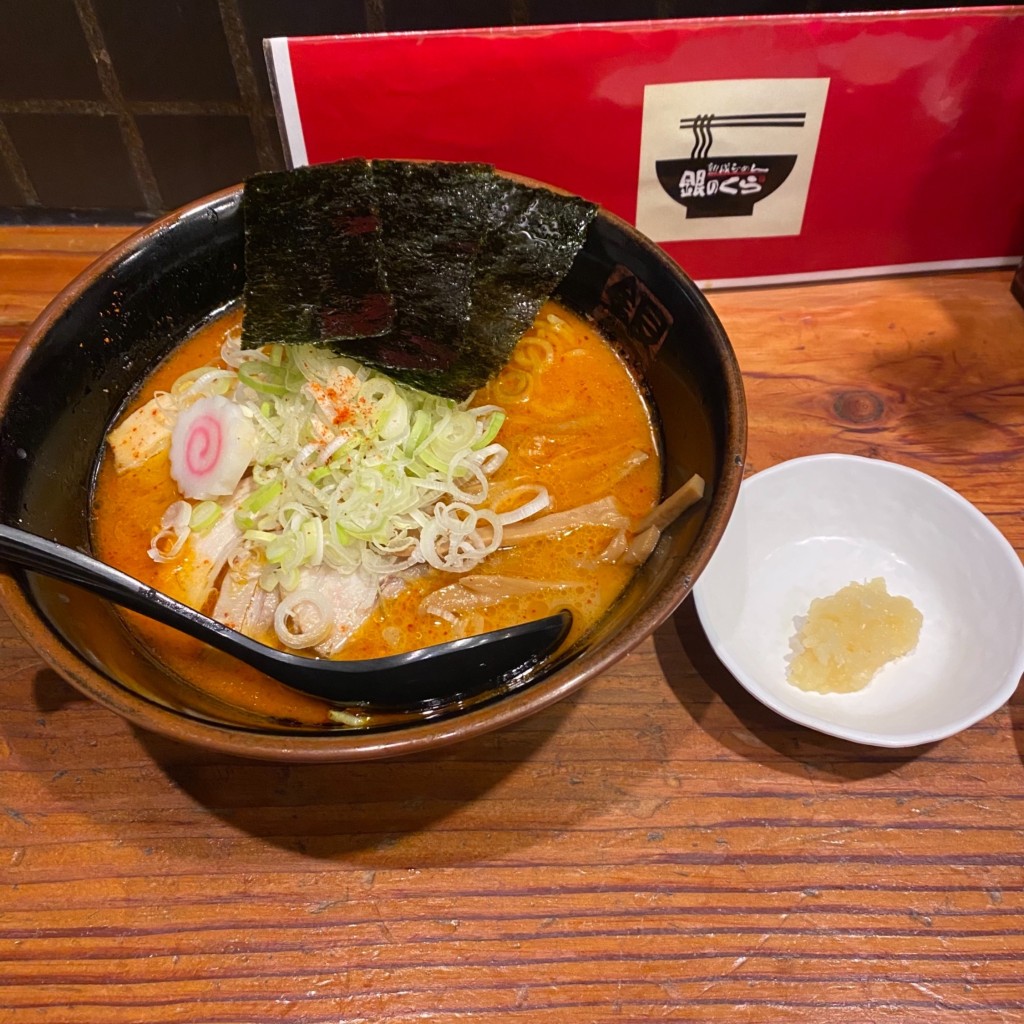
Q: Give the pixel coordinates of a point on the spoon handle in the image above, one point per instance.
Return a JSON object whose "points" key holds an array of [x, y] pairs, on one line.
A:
{"points": [[455, 669], [63, 563]]}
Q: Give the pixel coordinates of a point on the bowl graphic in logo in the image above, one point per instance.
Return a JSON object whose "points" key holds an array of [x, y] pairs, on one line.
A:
{"points": [[723, 186]]}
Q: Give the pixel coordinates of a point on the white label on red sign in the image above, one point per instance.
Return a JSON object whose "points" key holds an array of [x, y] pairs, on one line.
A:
{"points": [[728, 159]]}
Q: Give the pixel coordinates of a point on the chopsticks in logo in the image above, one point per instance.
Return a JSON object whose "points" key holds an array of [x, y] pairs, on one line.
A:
{"points": [[701, 126]]}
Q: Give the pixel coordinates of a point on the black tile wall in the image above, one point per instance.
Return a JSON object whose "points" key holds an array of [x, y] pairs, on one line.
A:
{"points": [[195, 154], [569, 11], [93, 169], [168, 49], [127, 108], [43, 53], [410, 15], [9, 192]]}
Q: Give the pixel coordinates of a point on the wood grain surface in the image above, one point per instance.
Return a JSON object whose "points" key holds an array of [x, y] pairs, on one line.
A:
{"points": [[659, 847]]}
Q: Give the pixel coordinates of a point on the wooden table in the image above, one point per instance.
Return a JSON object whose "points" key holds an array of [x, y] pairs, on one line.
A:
{"points": [[658, 848]]}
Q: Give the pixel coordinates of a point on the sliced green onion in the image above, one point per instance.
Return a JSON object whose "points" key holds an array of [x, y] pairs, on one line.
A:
{"points": [[419, 428], [264, 378], [280, 547], [491, 431], [372, 502], [204, 515], [343, 717], [263, 536], [262, 496], [428, 458]]}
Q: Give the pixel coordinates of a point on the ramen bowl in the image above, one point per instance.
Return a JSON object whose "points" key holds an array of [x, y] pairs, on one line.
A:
{"points": [[98, 339]]}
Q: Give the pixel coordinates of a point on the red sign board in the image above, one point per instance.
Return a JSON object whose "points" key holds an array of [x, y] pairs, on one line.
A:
{"points": [[749, 148]]}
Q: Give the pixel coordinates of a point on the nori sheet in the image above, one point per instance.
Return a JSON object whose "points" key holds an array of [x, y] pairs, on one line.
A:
{"points": [[526, 241], [525, 255], [434, 217], [463, 257], [313, 257]]}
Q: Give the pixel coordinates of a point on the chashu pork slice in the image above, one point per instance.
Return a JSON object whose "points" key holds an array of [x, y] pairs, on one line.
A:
{"points": [[207, 553], [243, 604], [351, 596]]}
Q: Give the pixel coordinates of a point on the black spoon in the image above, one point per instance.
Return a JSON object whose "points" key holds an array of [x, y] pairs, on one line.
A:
{"points": [[432, 675]]}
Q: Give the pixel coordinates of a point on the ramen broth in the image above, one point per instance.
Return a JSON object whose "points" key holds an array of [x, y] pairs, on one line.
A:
{"points": [[576, 423]]}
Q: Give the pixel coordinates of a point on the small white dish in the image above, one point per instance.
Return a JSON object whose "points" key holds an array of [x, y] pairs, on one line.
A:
{"points": [[806, 528]]}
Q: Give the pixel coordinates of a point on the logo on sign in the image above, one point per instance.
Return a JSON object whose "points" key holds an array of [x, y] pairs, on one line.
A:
{"points": [[711, 186], [727, 159]]}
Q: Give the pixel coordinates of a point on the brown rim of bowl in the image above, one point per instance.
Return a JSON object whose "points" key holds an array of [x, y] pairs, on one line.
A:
{"points": [[345, 746]]}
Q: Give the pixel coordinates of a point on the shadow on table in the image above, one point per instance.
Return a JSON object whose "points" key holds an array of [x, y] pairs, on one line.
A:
{"points": [[478, 800], [705, 687], [383, 813], [52, 693]]}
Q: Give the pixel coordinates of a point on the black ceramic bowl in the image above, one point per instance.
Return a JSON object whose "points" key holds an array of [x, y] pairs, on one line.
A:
{"points": [[92, 346]]}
